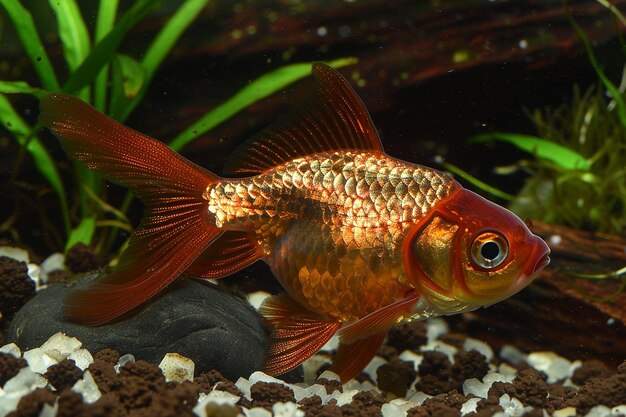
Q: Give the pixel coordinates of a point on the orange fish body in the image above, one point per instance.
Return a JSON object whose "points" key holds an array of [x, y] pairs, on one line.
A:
{"points": [[360, 241]]}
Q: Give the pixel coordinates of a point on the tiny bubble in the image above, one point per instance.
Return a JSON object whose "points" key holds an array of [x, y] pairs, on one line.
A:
{"points": [[38, 58]]}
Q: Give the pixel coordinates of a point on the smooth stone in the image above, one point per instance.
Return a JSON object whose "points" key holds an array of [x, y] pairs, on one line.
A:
{"points": [[193, 318]]}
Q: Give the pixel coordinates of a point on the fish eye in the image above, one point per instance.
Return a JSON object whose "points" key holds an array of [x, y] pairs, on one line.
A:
{"points": [[489, 249]]}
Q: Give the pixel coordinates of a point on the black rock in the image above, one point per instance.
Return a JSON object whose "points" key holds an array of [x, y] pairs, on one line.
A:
{"points": [[196, 319]]}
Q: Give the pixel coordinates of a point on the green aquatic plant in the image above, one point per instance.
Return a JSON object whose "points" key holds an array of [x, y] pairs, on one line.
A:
{"points": [[114, 83], [578, 170]]}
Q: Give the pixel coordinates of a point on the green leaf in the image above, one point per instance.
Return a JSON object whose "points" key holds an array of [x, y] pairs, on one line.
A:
{"points": [[83, 233], [19, 87], [27, 32], [43, 161], [541, 148], [163, 43], [128, 79], [105, 50], [258, 89], [616, 95], [104, 23], [476, 182], [72, 32]]}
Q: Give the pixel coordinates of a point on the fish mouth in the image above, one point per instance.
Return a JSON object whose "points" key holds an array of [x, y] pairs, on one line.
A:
{"points": [[543, 261]]}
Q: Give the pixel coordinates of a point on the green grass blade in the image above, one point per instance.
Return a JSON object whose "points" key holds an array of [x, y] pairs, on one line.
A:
{"points": [[258, 89], [83, 233], [128, 79], [72, 32], [104, 50], [541, 148], [476, 182], [104, 23], [27, 32], [43, 161], [163, 43], [20, 87], [613, 90]]}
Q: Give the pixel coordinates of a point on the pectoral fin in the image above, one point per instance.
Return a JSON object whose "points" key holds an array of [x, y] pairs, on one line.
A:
{"points": [[298, 333], [378, 321]]}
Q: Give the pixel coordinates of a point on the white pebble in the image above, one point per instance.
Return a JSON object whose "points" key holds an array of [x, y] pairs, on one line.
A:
{"points": [[439, 346], [419, 397], [435, 328], [312, 365], [256, 298], [25, 380], [49, 410], [469, 406], [410, 356], [59, 346], [38, 360], [35, 274], [512, 354], [15, 253], [397, 408], [481, 389], [82, 358], [300, 393], [215, 397], [371, 367], [620, 410], [565, 412], [88, 388], [512, 406], [244, 386], [177, 368], [506, 369], [554, 366], [11, 349], [479, 346], [289, 409], [258, 412], [346, 396], [599, 411], [54, 262]]}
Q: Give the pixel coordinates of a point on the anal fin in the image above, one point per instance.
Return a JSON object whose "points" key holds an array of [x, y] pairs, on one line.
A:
{"points": [[231, 252], [298, 333]]}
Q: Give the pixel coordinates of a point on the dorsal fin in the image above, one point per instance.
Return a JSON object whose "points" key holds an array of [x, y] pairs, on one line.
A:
{"points": [[332, 117]]}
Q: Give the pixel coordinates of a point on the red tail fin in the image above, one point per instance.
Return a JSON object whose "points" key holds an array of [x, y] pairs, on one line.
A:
{"points": [[175, 229]]}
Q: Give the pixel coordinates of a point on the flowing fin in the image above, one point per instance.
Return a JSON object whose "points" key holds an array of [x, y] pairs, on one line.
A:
{"points": [[175, 229], [332, 117], [231, 252], [352, 358], [298, 333], [378, 321]]}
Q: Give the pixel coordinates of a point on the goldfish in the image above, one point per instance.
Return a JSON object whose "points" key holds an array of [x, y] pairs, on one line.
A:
{"points": [[360, 241]]}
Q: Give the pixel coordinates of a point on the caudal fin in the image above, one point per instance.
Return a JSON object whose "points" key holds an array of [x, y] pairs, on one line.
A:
{"points": [[175, 229]]}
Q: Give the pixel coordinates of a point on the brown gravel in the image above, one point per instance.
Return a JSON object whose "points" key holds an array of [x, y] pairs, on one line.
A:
{"points": [[63, 374], [16, 287], [266, 394], [82, 258], [9, 367]]}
